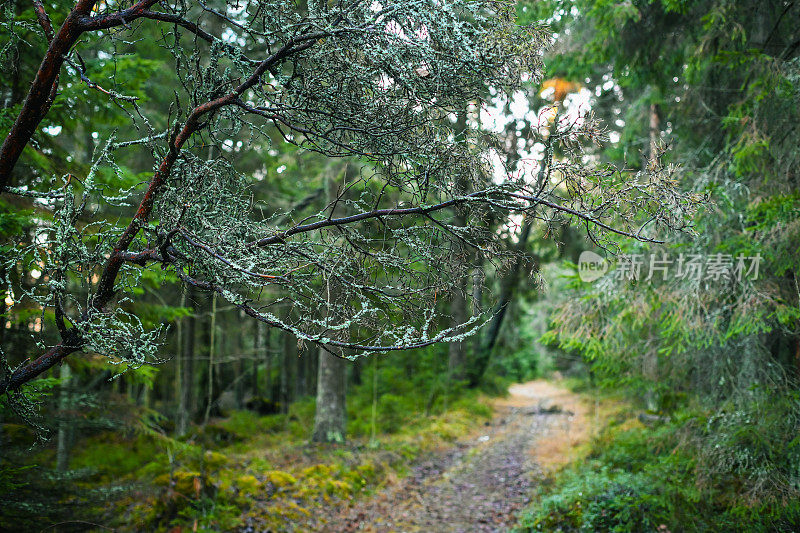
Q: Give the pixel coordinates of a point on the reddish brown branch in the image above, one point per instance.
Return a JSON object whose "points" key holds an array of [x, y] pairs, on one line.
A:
{"points": [[40, 96], [37, 104], [105, 288], [44, 20], [41, 364]]}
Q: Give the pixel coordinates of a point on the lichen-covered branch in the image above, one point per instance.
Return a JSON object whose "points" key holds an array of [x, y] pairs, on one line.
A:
{"points": [[371, 88]]}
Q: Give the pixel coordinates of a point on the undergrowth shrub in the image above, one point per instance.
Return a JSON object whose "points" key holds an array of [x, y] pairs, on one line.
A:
{"points": [[638, 478]]}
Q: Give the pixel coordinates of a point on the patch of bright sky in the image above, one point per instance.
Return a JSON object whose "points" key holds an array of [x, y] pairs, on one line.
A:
{"points": [[237, 8], [230, 36], [493, 117], [229, 146]]}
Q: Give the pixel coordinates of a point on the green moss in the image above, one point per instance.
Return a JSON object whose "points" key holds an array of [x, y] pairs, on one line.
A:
{"points": [[214, 460], [113, 456], [279, 480], [248, 485], [187, 483], [261, 467]]}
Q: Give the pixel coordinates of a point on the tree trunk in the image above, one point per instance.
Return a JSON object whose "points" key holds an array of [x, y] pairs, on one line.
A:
{"points": [[655, 130], [238, 367], [374, 417], [355, 373], [300, 372], [456, 360], [508, 287], [477, 298], [510, 283], [211, 353], [269, 356], [310, 371], [258, 353], [650, 358], [330, 420], [289, 347], [146, 395], [178, 367], [187, 398], [63, 445]]}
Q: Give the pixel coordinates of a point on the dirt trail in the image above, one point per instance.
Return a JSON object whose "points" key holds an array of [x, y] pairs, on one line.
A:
{"points": [[480, 484]]}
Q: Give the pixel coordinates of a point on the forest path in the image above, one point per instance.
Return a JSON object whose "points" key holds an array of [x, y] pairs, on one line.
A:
{"points": [[481, 483]]}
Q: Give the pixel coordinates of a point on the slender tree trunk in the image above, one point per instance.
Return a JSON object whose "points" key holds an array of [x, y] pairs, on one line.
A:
{"points": [[146, 395], [311, 369], [330, 420], [300, 375], [374, 419], [269, 356], [238, 368], [130, 390], [355, 374], [258, 353], [508, 288], [63, 445], [510, 283], [655, 129], [179, 384], [650, 358], [289, 346], [212, 338], [456, 360], [211, 350], [186, 400], [477, 298]]}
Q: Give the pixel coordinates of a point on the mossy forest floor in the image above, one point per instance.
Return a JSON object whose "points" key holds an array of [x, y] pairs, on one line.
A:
{"points": [[471, 467]]}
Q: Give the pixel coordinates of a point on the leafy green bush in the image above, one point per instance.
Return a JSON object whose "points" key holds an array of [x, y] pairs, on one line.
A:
{"points": [[607, 499], [637, 478]]}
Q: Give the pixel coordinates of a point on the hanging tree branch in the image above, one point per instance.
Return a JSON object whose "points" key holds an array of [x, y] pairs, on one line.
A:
{"points": [[355, 80]]}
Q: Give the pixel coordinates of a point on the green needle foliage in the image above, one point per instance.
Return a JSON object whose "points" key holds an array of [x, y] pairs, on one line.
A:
{"points": [[717, 360]]}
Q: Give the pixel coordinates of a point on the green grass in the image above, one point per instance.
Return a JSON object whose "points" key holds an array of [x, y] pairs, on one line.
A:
{"points": [[652, 478]]}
